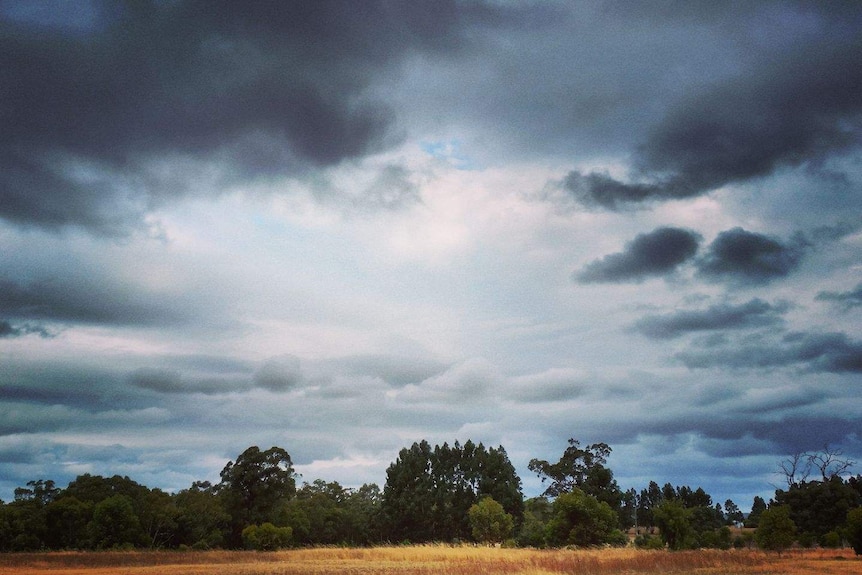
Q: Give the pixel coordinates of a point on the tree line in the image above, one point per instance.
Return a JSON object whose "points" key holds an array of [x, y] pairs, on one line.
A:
{"points": [[444, 493]]}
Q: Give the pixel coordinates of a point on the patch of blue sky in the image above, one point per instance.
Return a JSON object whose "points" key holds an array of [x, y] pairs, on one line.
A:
{"points": [[451, 152]]}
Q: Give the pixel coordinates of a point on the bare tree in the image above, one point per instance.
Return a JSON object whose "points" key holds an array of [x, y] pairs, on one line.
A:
{"points": [[796, 468], [829, 462]]}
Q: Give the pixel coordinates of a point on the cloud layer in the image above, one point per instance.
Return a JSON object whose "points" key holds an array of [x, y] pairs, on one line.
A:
{"points": [[341, 231]]}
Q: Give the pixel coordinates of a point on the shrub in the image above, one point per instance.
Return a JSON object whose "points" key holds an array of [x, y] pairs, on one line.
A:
{"points": [[776, 530], [831, 540], [266, 537], [854, 529], [647, 541]]}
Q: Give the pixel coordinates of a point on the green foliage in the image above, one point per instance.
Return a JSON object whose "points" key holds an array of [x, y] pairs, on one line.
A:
{"points": [[648, 500], [266, 537], [115, 524], [647, 541], [584, 469], [744, 540], [776, 530], [674, 523], [582, 520], [732, 513], [853, 529], [67, 518], [831, 540], [327, 514], [818, 507], [758, 506], [489, 522], [537, 512], [254, 485], [429, 491], [201, 518]]}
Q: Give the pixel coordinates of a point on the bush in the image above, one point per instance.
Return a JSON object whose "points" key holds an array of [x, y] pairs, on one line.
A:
{"points": [[266, 537], [490, 522], [854, 529], [744, 540], [647, 541], [831, 540]]}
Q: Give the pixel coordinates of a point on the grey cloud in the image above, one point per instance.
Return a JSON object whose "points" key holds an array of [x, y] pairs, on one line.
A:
{"points": [[83, 298], [596, 189], [279, 374], [816, 352], [747, 258], [262, 88], [788, 109], [755, 313], [7, 330], [847, 299], [394, 370], [170, 381], [652, 254], [83, 385]]}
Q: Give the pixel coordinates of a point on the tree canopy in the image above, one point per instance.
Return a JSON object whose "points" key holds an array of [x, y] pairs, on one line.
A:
{"points": [[442, 493]]}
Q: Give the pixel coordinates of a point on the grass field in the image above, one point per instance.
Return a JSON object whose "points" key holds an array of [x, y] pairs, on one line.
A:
{"points": [[434, 560]]}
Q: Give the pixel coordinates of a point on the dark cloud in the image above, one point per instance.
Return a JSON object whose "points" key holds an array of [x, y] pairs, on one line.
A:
{"points": [[652, 254], [755, 313], [816, 352], [169, 381], [596, 189], [791, 108], [86, 300], [746, 258], [279, 374], [90, 122], [19, 330], [847, 299]]}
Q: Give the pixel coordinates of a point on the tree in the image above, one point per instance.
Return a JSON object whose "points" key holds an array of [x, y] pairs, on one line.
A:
{"points": [[67, 519], [732, 513], [758, 506], [775, 531], [648, 500], [574, 469], [582, 520], [853, 529], [115, 524], [674, 523], [819, 507], [537, 512], [201, 518], [428, 492], [253, 485], [489, 521], [584, 469]]}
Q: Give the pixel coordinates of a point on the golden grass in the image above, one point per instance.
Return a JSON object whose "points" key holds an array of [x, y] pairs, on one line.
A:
{"points": [[436, 560]]}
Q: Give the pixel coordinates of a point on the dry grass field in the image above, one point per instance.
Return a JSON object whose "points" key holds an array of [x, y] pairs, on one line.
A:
{"points": [[435, 560]]}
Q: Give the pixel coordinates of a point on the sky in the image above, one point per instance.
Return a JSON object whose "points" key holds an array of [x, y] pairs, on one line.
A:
{"points": [[343, 227]]}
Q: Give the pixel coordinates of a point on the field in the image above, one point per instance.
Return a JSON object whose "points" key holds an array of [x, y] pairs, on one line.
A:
{"points": [[434, 560]]}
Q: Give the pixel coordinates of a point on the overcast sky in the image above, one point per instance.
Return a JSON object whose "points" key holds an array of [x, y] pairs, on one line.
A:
{"points": [[342, 227]]}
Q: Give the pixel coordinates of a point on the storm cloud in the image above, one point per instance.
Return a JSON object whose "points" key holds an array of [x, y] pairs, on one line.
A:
{"points": [[846, 299], [745, 258], [98, 124], [651, 254], [793, 108], [815, 352], [755, 313]]}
